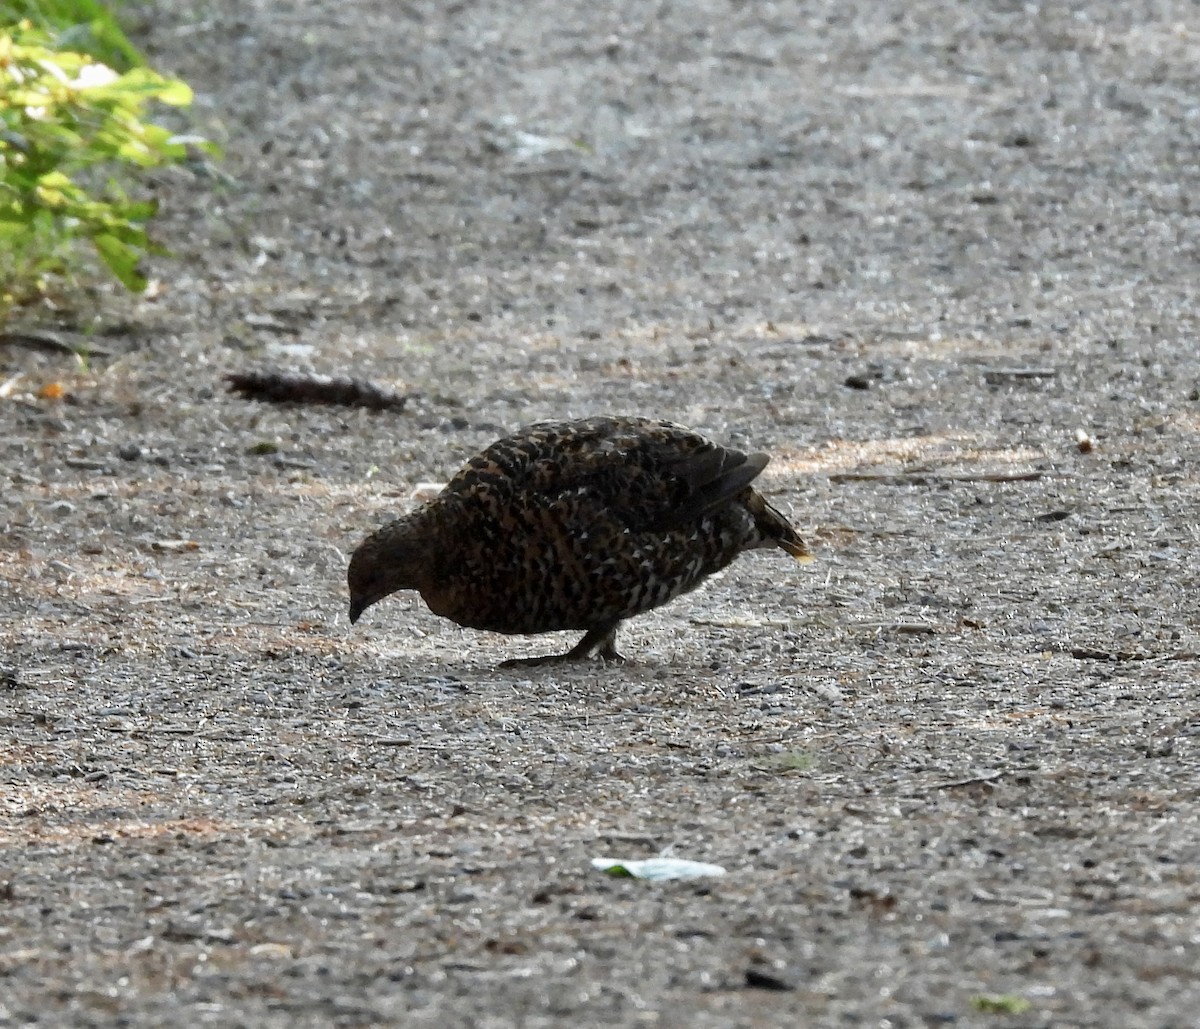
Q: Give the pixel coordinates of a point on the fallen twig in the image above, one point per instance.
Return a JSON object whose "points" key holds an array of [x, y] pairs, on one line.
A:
{"points": [[973, 780], [911, 627], [1001, 374], [917, 478], [42, 339], [1121, 656]]}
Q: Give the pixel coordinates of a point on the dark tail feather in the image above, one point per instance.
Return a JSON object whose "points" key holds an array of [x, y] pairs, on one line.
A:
{"points": [[776, 528]]}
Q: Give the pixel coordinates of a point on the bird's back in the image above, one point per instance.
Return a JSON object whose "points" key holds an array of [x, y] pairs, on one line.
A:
{"points": [[569, 525]]}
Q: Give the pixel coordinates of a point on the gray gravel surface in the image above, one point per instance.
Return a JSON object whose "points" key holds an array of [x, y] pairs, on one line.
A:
{"points": [[942, 260]]}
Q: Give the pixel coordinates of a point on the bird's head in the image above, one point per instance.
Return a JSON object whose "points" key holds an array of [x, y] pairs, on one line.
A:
{"points": [[396, 557]]}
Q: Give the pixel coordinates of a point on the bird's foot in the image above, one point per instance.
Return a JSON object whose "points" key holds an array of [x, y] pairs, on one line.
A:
{"points": [[608, 655], [602, 642]]}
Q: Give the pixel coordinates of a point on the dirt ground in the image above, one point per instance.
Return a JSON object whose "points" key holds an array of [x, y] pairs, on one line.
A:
{"points": [[941, 260]]}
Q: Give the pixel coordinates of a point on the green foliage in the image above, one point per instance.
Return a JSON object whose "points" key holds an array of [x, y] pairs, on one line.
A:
{"points": [[86, 26], [1000, 1004], [73, 132]]}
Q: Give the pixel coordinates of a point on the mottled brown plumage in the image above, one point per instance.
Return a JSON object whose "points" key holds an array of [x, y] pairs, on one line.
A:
{"points": [[574, 525]]}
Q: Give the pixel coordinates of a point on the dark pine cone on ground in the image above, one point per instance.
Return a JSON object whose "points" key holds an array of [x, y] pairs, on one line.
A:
{"points": [[288, 388]]}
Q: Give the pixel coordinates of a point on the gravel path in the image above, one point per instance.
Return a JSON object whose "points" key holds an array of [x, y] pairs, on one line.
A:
{"points": [[941, 260]]}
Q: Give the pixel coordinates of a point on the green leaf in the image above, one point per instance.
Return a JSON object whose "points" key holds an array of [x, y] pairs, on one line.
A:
{"points": [[141, 211], [121, 259], [1000, 1004]]}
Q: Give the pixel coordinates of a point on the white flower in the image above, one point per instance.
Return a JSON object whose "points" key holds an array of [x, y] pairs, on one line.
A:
{"points": [[92, 76]]}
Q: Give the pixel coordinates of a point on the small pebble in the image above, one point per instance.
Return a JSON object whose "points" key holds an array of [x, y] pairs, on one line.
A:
{"points": [[758, 979], [129, 452]]}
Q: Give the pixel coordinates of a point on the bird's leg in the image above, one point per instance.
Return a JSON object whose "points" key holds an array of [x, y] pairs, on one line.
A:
{"points": [[607, 650], [602, 640]]}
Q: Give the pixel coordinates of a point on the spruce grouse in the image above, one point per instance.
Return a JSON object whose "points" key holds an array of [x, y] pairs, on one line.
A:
{"points": [[574, 525]]}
